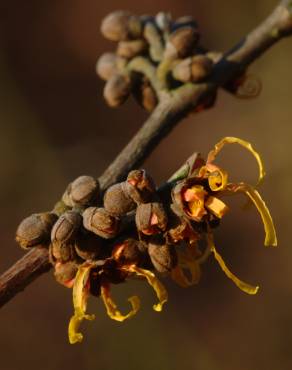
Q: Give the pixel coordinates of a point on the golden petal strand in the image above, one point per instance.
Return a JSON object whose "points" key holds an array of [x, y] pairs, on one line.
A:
{"points": [[254, 196], [245, 287], [216, 206], [80, 297], [234, 140], [111, 307], [154, 282]]}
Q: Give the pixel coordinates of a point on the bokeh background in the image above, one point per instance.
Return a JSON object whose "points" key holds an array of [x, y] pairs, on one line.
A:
{"points": [[55, 126]]}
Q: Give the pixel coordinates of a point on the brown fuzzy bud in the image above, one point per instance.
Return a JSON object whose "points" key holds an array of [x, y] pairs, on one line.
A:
{"points": [[193, 69], [109, 64], [145, 95], [89, 246], [121, 25], [101, 222], [117, 89], [81, 192], [181, 43], [163, 257], [140, 186], [65, 273], [35, 229], [151, 218], [117, 201], [153, 36], [129, 251], [130, 49], [65, 229], [63, 234]]}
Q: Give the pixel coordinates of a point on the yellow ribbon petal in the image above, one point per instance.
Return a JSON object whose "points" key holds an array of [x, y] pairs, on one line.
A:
{"points": [[216, 206], [234, 140], [80, 297], [111, 307], [245, 287], [254, 196], [154, 282]]}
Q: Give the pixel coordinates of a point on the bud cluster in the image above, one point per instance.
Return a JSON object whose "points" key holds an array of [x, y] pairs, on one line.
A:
{"points": [[170, 47], [135, 229]]}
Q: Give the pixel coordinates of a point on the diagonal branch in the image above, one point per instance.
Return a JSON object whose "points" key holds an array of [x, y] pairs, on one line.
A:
{"points": [[172, 108]]}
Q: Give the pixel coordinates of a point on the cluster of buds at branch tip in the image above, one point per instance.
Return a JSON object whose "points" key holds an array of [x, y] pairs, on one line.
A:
{"points": [[157, 54], [137, 230]]}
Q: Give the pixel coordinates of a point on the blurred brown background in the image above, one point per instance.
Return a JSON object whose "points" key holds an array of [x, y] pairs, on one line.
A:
{"points": [[54, 126]]}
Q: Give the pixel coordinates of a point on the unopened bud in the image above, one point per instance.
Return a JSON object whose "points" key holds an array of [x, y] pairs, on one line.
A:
{"points": [[65, 229], [82, 192], [193, 69], [35, 229], [154, 38], [65, 273], [100, 222], [140, 186], [117, 89], [117, 200], [151, 218], [109, 64], [121, 25], [63, 235], [89, 246], [130, 49], [163, 257], [145, 95], [182, 42]]}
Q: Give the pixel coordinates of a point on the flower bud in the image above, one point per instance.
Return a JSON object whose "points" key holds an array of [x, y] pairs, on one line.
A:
{"points": [[101, 222], [81, 192], [163, 257], [121, 25], [117, 201], [154, 38], [130, 49], [181, 43], [63, 234], [193, 69], [129, 251], [145, 95], [140, 186], [117, 89], [65, 273], [109, 64], [65, 229], [89, 246], [35, 229], [151, 218]]}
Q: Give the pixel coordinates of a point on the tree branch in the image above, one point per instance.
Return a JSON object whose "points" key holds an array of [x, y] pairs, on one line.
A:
{"points": [[172, 108]]}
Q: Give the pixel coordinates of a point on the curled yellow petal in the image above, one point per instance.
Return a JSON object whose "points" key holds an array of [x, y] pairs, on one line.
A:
{"points": [[217, 177], [254, 196], [234, 140], [111, 307], [154, 282], [245, 287], [216, 206], [80, 297]]}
